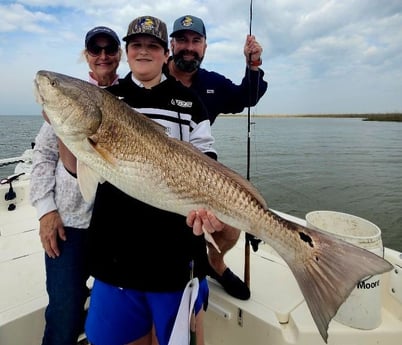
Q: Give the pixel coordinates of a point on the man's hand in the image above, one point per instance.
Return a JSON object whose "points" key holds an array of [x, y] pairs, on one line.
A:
{"points": [[252, 51], [202, 220], [51, 227], [205, 222]]}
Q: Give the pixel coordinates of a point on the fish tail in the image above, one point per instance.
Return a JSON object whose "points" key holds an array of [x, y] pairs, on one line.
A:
{"points": [[330, 273]]}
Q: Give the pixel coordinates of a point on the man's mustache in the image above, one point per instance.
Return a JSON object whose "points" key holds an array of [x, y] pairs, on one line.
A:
{"points": [[187, 65], [181, 54]]}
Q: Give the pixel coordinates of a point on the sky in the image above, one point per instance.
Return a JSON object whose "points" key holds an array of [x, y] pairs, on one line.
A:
{"points": [[319, 56]]}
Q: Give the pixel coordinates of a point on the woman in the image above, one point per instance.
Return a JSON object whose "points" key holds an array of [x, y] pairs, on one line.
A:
{"points": [[63, 214]]}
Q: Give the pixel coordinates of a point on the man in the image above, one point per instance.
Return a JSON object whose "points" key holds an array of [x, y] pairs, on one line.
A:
{"points": [[220, 95]]}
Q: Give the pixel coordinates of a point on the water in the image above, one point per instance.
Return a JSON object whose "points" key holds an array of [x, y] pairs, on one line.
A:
{"points": [[306, 164], [298, 164], [16, 135]]}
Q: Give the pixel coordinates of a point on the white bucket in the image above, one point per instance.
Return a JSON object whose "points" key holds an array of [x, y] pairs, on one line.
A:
{"points": [[362, 309]]}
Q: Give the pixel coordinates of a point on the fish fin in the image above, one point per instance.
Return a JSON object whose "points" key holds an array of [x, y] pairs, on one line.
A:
{"points": [[329, 272], [157, 126], [226, 171], [245, 184], [210, 239], [88, 181], [105, 154]]}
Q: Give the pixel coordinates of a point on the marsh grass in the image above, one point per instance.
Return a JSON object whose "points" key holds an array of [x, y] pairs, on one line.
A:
{"points": [[395, 117]]}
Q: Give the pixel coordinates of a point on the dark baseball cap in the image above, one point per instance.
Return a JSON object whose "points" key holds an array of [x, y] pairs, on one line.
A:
{"points": [[150, 26], [101, 30], [188, 23]]}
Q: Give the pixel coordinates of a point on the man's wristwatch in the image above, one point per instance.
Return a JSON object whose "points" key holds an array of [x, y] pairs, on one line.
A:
{"points": [[255, 63]]}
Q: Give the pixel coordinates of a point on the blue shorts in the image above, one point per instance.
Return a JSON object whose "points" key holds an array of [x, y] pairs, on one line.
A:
{"points": [[119, 316]]}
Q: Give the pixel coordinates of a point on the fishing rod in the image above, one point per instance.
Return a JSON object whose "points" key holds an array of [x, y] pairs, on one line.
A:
{"points": [[248, 237], [248, 108]]}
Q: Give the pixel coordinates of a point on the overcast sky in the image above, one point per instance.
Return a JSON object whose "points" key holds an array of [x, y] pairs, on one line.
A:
{"points": [[320, 56]]}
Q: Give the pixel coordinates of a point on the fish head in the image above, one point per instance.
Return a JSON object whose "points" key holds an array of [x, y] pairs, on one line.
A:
{"points": [[73, 106]]}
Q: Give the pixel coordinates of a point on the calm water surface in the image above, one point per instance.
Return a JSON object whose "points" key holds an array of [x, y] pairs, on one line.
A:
{"points": [[298, 164], [306, 164]]}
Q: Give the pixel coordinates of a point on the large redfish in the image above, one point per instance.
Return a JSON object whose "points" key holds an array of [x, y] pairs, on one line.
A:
{"points": [[113, 142]]}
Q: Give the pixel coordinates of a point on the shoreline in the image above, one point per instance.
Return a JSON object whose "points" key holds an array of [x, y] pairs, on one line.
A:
{"points": [[396, 117]]}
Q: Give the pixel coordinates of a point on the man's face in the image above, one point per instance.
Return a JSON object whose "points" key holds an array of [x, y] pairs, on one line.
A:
{"points": [[188, 49]]}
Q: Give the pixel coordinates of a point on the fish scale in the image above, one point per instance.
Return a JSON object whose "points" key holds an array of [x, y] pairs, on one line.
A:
{"points": [[114, 142]]}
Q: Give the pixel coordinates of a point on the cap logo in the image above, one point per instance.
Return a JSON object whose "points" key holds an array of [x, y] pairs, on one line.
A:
{"points": [[187, 21], [147, 24], [102, 29]]}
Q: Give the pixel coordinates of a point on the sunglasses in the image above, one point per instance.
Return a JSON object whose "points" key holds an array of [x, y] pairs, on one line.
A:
{"points": [[95, 50]]}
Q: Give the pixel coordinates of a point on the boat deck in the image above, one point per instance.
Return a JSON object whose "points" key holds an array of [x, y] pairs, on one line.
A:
{"points": [[275, 314], [22, 289]]}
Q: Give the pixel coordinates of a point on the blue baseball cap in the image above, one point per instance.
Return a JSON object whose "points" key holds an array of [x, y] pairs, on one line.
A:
{"points": [[101, 30], [190, 23]]}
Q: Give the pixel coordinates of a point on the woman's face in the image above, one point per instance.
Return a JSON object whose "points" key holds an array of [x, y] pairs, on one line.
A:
{"points": [[103, 56]]}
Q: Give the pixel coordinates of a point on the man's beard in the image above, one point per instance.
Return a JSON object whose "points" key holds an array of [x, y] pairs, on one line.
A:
{"points": [[187, 66]]}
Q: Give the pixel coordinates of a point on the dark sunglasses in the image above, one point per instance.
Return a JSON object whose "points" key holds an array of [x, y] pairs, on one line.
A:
{"points": [[95, 50]]}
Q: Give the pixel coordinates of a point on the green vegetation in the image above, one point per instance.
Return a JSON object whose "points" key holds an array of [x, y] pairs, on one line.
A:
{"points": [[385, 117], [396, 117]]}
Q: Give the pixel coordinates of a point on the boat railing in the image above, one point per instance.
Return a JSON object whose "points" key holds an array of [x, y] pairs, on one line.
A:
{"points": [[23, 163]]}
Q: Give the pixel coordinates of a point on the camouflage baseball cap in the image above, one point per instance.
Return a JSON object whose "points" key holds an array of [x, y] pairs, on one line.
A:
{"points": [[150, 26]]}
